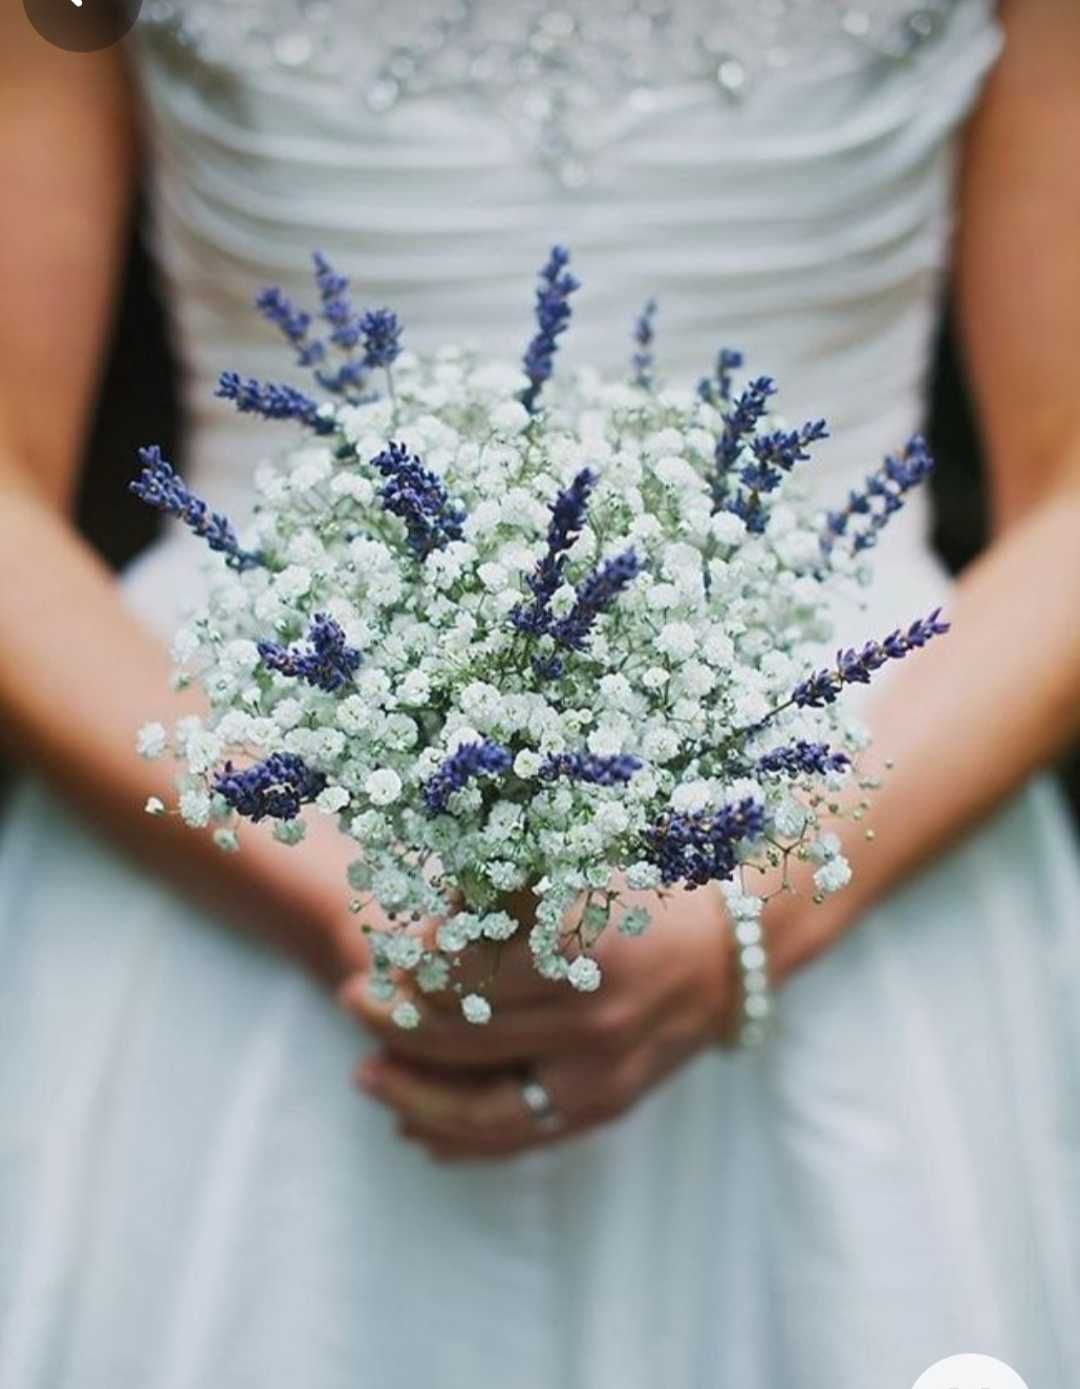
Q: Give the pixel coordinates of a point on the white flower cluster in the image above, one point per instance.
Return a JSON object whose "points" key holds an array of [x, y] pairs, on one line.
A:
{"points": [[505, 738]]}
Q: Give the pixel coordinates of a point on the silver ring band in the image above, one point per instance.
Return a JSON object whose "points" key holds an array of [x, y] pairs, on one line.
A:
{"points": [[540, 1105]]}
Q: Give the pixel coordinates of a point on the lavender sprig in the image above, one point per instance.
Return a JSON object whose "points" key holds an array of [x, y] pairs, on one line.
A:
{"points": [[272, 402], [857, 667], [415, 494], [471, 760], [381, 334], [274, 789], [567, 519], [595, 595], [716, 389], [376, 331], [594, 770], [703, 848], [741, 421], [880, 498], [644, 332], [325, 661], [552, 317], [803, 758], [337, 307], [159, 486], [774, 455], [294, 325]]}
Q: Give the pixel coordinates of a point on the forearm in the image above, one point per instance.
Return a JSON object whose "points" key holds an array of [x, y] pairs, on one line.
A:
{"points": [[965, 722], [79, 676]]}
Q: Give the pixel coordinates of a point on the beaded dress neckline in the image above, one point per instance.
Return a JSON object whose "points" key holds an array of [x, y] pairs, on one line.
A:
{"points": [[549, 67]]}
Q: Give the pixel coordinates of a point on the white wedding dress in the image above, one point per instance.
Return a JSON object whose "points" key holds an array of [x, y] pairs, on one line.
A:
{"points": [[191, 1196]]}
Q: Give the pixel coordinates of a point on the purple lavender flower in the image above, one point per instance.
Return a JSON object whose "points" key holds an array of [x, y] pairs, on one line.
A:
{"points": [[552, 317], [274, 789], [325, 660], [857, 667], [415, 494], [881, 497], [644, 332], [595, 595], [293, 324], [774, 455], [585, 767], [741, 421], [471, 760], [802, 758], [159, 486], [376, 331], [381, 334], [703, 848], [717, 388], [337, 307], [567, 519], [272, 402]]}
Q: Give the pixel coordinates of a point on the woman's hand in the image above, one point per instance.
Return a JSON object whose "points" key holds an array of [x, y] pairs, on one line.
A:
{"points": [[457, 1088]]}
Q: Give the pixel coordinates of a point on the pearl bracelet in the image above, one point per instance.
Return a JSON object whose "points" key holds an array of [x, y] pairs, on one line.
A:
{"points": [[752, 1016]]}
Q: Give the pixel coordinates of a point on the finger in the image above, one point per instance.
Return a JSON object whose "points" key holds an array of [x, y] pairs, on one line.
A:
{"points": [[489, 1111], [506, 971], [585, 1097], [502, 971], [445, 1038], [470, 1109], [449, 1150]]}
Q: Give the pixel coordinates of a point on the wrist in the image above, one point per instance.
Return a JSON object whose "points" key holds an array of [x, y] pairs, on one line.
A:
{"points": [[297, 900], [798, 929], [332, 949]]}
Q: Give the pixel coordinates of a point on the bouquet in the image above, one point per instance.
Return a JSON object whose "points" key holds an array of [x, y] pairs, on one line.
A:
{"points": [[524, 638]]}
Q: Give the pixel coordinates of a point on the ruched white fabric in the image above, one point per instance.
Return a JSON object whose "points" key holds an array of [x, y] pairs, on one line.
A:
{"points": [[190, 1195]]}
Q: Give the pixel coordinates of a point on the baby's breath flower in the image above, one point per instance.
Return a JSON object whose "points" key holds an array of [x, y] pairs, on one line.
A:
{"points": [[195, 808], [405, 1015], [333, 799], [383, 786], [380, 986], [152, 740], [584, 974], [477, 1010], [499, 926], [404, 952], [834, 874], [432, 974], [634, 921]]}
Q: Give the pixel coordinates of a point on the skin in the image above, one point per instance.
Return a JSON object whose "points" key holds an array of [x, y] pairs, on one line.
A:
{"points": [[963, 729]]}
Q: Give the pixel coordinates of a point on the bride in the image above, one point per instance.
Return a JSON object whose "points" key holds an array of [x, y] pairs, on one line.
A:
{"points": [[191, 1193]]}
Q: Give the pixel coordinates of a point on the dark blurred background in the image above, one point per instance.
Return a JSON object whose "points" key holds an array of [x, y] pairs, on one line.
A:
{"points": [[138, 404]]}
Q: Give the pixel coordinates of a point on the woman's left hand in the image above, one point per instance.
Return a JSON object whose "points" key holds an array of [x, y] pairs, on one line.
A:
{"points": [[457, 1088]]}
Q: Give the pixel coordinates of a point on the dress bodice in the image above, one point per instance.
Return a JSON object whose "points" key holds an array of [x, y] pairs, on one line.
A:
{"points": [[775, 172]]}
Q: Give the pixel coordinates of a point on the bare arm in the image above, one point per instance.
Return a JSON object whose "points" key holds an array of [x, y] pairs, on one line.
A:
{"points": [[971, 719], [79, 674]]}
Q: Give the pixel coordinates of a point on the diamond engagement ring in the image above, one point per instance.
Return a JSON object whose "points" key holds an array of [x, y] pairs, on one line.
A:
{"points": [[540, 1105]]}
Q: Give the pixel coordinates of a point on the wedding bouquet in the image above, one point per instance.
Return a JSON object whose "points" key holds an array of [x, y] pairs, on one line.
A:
{"points": [[525, 641]]}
